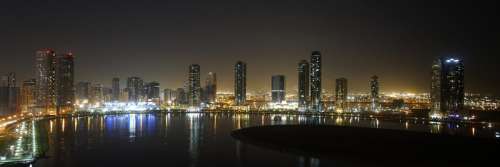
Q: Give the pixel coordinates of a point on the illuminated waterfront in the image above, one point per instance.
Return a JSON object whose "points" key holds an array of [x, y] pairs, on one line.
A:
{"points": [[182, 139]]}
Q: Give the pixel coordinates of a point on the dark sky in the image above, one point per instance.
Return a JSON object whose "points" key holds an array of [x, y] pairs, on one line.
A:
{"points": [[157, 40]]}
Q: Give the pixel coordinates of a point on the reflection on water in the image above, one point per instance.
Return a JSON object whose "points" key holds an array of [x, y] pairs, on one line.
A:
{"points": [[188, 139]]}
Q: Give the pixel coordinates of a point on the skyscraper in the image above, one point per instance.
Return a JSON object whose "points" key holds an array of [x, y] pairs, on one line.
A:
{"points": [[447, 88], [316, 81], [303, 85], [194, 85], [181, 97], [153, 91], [278, 88], [374, 93], [97, 94], [210, 88], [83, 91], [28, 100], [169, 96], [240, 83], [8, 80], [115, 88], [65, 83], [341, 94], [46, 79], [135, 89], [9, 95]]}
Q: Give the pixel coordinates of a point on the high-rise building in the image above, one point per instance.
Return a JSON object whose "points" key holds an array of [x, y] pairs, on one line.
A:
{"points": [[9, 96], [97, 94], [115, 87], [194, 86], [278, 88], [124, 95], [83, 91], [374, 93], [169, 96], [153, 91], [240, 83], [447, 88], [65, 83], [46, 80], [107, 93], [135, 88], [28, 100], [341, 94], [181, 98], [210, 88], [316, 81], [303, 85], [8, 80]]}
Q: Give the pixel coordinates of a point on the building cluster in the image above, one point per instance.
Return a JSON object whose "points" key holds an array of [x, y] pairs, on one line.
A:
{"points": [[51, 91], [54, 91]]}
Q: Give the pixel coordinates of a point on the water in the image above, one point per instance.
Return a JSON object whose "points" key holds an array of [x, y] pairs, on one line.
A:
{"points": [[181, 139]]}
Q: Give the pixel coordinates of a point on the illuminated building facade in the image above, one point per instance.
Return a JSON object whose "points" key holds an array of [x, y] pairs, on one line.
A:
{"points": [[45, 65], [194, 85], [65, 83], [135, 88], [278, 88], [341, 94], [303, 85], [447, 88], [316, 81], [374, 93], [210, 88], [115, 86], [240, 83]]}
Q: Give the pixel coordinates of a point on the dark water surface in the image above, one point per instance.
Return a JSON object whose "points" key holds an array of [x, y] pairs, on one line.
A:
{"points": [[194, 139]]}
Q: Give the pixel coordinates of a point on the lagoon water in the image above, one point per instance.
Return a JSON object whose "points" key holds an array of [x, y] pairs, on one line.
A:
{"points": [[184, 139]]}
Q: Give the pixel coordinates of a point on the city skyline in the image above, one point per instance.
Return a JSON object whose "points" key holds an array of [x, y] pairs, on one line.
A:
{"points": [[257, 82], [398, 53]]}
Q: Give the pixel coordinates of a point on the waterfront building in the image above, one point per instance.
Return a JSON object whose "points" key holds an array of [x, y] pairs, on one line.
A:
{"points": [[28, 100], [303, 85], [65, 83], [315, 80], [374, 93], [210, 91], [278, 89], [447, 88], [240, 83], [341, 94], [45, 71], [115, 86], [194, 85], [135, 88]]}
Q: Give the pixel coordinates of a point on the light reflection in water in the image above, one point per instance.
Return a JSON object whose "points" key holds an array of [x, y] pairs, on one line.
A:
{"points": [[63, 124], [194, 136], [308, 162], [131, 127], [202, 129]]}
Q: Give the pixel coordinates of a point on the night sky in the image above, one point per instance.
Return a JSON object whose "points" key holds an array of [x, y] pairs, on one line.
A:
{"points": [[157, 40]]}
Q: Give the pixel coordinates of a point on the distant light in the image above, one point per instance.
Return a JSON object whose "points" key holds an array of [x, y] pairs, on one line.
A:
{"points": [[452, 60]]}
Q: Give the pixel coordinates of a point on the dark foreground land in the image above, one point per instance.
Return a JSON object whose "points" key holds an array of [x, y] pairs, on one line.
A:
{"points": [[374, 147]]}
